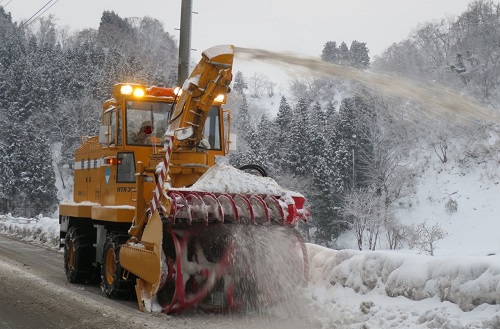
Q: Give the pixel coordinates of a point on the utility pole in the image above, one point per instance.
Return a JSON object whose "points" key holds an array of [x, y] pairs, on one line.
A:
{"points": [[353, 168], [184, 41]]}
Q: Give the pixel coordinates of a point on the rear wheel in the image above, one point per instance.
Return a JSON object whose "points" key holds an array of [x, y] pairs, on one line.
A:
{"points": [[112, 281], [77, 256]]}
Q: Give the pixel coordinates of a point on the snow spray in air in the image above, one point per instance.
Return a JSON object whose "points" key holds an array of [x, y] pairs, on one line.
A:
{"points": [[269, 268], [436, 99]]}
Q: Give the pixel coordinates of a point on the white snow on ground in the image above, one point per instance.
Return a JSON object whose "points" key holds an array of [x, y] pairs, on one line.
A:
{"points": [[457, 288], [471, 230]]}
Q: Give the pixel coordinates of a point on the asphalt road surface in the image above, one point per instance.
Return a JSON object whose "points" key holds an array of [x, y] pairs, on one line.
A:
{"points": [[34, 293]]}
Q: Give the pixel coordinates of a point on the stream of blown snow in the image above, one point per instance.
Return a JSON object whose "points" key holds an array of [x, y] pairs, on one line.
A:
{"points": [[437, 100]]}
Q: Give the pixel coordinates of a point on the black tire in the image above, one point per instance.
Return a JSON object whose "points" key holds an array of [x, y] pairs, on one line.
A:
{"points": [[112, 281], [254, 167], [77, 256]]}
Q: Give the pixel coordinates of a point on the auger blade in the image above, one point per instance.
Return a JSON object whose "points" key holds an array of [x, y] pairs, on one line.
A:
{"points": [[200, 206]]}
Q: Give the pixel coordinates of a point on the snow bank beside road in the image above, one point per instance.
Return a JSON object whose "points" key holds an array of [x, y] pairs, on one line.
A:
{"points": [[465, 281], [40, 230]]}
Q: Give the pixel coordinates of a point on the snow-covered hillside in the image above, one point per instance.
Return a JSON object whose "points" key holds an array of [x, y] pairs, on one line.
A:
{"points": [[472, 229], [459, 196]]}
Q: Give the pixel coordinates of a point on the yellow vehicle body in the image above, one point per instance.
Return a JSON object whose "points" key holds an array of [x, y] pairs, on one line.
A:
{"points": [[105, 197], [133, 218]]}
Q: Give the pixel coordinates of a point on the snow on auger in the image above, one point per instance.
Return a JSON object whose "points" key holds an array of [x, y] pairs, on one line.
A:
{"points": [[184, 248]]}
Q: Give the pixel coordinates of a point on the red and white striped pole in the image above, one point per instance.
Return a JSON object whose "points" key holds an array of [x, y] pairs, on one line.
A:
{"points": [[163, 174]]}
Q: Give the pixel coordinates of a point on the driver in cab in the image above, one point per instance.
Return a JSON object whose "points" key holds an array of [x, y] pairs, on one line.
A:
{"points": [[141, 137]]}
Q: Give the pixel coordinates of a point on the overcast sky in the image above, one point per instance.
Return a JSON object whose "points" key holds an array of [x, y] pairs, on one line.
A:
{"points": [[301, 27]]}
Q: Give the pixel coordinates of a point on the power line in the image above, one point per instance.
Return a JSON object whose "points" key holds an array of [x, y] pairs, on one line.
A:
{"points": [[6, 3], [39, 10], [31, 19], [44, 11]]}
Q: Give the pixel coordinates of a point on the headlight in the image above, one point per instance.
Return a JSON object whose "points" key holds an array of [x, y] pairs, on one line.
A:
{"points": [[126, 90]]}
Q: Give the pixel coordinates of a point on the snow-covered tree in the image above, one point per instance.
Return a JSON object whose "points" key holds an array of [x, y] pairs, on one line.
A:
{"points": [[359, 55], [330, 52], [239, 84], [296, 158], [344, 54]]}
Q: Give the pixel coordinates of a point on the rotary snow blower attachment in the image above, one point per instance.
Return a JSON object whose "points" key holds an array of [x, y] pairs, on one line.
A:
{"points": [[202, 250], [159, 215]]}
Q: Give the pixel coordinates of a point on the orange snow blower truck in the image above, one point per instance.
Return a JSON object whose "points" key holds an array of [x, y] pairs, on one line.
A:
{"points": [[137, 221]]}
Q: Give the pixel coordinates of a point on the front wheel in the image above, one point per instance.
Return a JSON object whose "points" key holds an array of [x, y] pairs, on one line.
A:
{"points": [[112, 281]]}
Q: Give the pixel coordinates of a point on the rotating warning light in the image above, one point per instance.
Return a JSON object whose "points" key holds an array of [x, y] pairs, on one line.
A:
{"points": [[139, 92]]}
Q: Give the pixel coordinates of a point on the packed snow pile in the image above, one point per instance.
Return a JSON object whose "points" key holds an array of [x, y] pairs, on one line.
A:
{"points": [[224, 178], [465, 281]]}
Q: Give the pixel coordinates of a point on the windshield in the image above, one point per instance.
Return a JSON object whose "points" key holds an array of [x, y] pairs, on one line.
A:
{"points": [[146, 122]]}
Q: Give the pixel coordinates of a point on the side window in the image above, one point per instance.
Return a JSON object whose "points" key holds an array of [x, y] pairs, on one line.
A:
{"points": [[112, 128], [119, 136], [212, 129], [125, 172], [110, 121]]}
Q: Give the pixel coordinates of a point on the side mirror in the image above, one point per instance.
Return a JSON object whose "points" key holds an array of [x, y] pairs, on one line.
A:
{"points": [[183, 133], [104, 135]]}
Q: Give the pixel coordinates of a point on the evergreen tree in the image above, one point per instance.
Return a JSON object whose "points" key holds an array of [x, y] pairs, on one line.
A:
{"points": [[344, 138], [247, 137], [243, 121], [330, 52], [344, 55], [283, 120], [359, 54], [342, 166], [331, 118], [267, 151], [352, 144], [296, 158], [7, 182], [322, 190], [38, 177]]}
